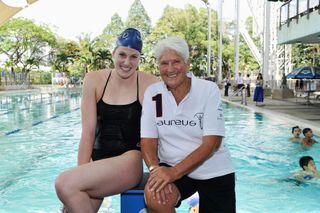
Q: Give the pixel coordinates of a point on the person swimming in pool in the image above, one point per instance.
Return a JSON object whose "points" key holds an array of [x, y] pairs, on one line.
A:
{"points": [[309, 169], [307, 140], [296, 131]]}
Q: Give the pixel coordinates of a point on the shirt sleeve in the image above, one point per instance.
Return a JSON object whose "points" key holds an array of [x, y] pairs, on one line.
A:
{"points": [[213, 123], [148, 122]]}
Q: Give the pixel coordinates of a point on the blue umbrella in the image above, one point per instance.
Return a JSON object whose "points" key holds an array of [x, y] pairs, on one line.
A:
{"points": [[305, 73]]}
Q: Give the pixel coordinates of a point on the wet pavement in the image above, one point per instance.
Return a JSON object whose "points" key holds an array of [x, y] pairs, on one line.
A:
{"points": [[294, 111]]}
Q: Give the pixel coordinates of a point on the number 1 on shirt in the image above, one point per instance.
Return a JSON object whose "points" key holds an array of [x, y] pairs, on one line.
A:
{"points": [[158, 99]]}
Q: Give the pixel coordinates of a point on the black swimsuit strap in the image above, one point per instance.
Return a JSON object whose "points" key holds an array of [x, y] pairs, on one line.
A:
{"points": [[105, 86], [137, 85]]}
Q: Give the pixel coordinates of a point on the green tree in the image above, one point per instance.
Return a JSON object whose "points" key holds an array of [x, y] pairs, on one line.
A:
{"points": [[25, 44], [190, 24], [110, 33], [305, 55], [102, 58], [138, 18], [86, 52], [247, 62], [64, 55], [91, 56]]}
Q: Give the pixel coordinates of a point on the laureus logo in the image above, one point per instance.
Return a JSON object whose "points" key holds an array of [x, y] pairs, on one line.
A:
{"points": [[199, 116]]}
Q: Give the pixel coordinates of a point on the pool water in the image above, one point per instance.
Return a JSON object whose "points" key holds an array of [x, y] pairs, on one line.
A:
{"points": [[39, 137], [265, 161]]}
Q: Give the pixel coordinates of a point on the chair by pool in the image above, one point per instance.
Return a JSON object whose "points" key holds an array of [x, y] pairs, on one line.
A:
{"points": [[132, 201]]}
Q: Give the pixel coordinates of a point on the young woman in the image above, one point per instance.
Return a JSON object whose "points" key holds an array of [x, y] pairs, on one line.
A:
{"points": [[109, 158], [258, 96]]}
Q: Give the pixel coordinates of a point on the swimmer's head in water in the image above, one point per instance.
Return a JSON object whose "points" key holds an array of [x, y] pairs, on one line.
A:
{"points": [[307, 163]]}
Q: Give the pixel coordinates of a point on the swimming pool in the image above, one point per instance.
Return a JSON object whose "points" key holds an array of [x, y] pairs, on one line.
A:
{"points": [[39, 136]]}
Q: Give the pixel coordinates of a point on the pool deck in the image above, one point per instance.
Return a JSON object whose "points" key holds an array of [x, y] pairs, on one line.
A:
{"points": [[293, 111]]}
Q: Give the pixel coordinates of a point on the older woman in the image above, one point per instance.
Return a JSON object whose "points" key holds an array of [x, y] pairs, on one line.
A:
{"points": [[182, 130], [109, 158]]}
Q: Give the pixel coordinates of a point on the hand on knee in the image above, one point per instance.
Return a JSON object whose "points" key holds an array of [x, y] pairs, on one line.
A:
{"points": [[159, 202]]}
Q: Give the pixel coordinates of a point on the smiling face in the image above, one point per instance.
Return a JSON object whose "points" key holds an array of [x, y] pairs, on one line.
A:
{"points": [[173, 69], [126, 61], [296, 132]]}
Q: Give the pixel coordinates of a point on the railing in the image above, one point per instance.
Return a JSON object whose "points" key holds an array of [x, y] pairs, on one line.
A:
{"points": [[237, 91], [242, 91], [294, 8], [8, 78]]}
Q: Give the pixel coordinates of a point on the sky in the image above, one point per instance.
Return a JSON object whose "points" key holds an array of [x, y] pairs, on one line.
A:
{"points": [[70, 18]]}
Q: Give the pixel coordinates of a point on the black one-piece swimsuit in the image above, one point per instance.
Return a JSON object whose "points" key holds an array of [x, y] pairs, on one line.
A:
{"points": [[118, 127]]}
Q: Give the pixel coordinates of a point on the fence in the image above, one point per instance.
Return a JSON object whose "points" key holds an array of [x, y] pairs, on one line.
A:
{"points": [[295, 8], [12, 78]]}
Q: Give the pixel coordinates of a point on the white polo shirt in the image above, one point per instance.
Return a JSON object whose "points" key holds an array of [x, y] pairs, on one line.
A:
{"points": [[180, 128], [248, 80], [239, 79]]}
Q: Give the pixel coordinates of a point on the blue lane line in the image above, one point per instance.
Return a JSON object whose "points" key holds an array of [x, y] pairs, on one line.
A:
{"points": [[12, 132], [38, 122]]}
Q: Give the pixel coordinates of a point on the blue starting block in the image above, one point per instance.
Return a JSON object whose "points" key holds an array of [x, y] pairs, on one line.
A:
{"points": [[132, 201]]}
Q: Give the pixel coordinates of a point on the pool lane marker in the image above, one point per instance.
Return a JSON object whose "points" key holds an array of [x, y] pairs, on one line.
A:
{"points": [[37, 123], [12, 132]]}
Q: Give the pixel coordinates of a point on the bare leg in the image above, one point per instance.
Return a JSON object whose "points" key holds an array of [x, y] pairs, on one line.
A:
{"points": [[78, 187]]}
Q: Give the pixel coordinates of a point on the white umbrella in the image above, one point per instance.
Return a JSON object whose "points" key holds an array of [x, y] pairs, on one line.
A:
{"points": [[6, 11]]}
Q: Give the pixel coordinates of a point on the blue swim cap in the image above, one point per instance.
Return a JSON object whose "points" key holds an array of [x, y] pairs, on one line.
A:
{"points": [[131, 38]]}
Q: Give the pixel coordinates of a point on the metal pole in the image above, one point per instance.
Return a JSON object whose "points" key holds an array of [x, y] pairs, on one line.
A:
{"points": [[266, 42], [236, 41], [209, 37], [220, 43]]}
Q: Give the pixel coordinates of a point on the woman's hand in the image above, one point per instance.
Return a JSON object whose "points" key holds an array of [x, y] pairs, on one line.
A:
{"points": [[160, 177], [162, 195]]}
